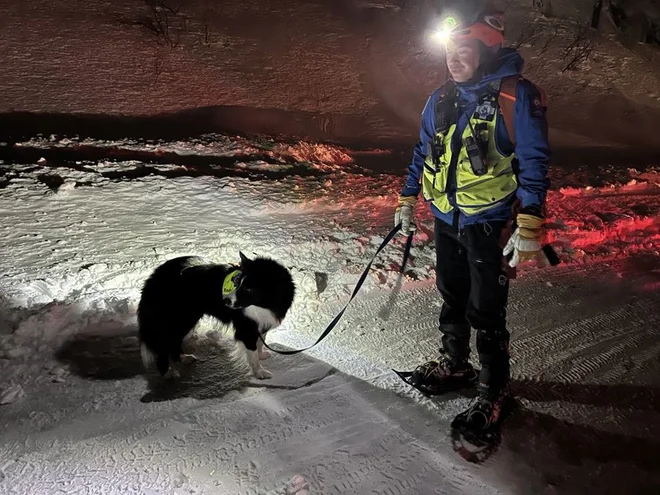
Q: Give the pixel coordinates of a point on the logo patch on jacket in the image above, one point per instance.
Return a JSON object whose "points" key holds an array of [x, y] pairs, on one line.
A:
{"points": [[486, 110], [537, 106]]}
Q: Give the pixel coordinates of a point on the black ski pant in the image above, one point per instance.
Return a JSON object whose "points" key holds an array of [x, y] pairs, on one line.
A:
{"points": [[474, 285]]}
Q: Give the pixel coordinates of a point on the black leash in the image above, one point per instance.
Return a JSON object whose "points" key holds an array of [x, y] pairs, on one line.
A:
{"points": [[363, 277]]}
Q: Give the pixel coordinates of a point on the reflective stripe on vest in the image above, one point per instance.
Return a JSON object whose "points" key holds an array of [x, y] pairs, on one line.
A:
{"points": [[473, 194]]}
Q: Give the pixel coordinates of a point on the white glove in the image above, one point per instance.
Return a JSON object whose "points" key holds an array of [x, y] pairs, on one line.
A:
{"points": [[525, 242], [523, 249], [404, 214]]}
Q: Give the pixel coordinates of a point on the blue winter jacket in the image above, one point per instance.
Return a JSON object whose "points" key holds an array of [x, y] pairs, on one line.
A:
{"points": [[532, 148]]}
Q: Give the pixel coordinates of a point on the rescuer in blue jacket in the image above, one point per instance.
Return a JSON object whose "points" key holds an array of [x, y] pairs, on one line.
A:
{"points": [[482, 161]]}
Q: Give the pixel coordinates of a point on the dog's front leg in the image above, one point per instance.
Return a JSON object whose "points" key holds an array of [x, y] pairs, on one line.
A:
{"points": [[260, 349], [247, 332], [255, 365]]}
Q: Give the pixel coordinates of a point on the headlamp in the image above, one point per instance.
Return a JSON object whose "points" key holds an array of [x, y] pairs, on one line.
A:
{"points": [[489, 29], [443, 33]]}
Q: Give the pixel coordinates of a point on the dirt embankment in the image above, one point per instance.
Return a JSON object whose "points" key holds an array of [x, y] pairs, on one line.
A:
{"points": [[356, 73]]}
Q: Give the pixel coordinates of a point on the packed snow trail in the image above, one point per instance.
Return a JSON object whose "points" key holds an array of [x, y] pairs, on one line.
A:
{"points": [[585, 342], [322, 431]]}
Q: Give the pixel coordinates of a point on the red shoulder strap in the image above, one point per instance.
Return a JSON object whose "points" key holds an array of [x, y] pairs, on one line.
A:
{"points": [[507, 103]]}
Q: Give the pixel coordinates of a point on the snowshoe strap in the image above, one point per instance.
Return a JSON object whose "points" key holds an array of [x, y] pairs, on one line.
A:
{"points": [[406, 377]]}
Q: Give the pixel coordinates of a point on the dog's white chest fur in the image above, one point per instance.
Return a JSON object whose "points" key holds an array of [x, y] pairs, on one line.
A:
{"points": [[264, 318]]}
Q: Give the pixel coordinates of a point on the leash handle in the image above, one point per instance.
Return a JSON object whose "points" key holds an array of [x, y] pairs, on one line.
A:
{"points": [[358, 286]]}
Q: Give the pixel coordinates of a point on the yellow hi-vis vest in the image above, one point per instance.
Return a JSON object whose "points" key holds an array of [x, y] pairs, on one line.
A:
{"points": [[473, 194]]}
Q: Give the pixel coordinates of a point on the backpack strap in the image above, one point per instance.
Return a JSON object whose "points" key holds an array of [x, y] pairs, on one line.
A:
{"points": [[445, 108], [507, 103]]}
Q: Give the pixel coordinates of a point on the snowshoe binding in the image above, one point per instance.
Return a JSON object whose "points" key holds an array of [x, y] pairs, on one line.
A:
{"points": [[476, 432], [440, 376]]}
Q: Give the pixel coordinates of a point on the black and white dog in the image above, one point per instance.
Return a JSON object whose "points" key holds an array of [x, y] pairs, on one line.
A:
{"points": [[253, 297]]}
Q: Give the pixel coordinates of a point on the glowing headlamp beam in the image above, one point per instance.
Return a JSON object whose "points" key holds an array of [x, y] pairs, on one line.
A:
{"points": [[443, 33], [441, 36]]}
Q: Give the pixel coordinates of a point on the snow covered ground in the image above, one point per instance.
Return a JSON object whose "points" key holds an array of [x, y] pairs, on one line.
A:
{"points": [[79, 238]]}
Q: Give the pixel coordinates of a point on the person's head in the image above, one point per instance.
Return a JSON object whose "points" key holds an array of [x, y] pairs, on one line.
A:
{"points": [[471, 35], [463, 59]]}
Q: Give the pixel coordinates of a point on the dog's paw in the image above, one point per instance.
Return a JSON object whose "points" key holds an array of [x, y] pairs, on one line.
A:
{"points": [[264, 355], [172, 374], [262, 374], [188, 358]]}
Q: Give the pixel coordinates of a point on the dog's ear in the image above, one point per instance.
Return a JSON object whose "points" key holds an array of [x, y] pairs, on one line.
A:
{"points": [[244, 259]]}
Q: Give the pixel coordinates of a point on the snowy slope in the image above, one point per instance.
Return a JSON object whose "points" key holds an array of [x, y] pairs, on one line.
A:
{"points": [[83, 237]]}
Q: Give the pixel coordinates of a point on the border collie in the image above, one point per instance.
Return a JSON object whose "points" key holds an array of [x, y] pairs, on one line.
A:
{"points": [[253, 297]]}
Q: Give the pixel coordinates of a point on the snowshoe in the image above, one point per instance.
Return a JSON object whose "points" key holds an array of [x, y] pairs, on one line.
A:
{"points": [[476, 432], [440, 376]]}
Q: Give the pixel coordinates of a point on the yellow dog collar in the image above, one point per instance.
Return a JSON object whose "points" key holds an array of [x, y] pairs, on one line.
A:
{"points": [[231, 283]]}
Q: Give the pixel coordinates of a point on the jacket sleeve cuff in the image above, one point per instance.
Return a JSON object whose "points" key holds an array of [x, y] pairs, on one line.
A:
{"points": [[534, 210], [410, 191], [529, 200]]}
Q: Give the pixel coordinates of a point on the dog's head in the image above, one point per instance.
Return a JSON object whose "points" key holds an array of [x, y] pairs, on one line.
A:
{"points": [[259, 282]]}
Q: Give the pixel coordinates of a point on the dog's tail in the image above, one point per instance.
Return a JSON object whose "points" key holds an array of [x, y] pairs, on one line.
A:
{"points": [[148, 357]]}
